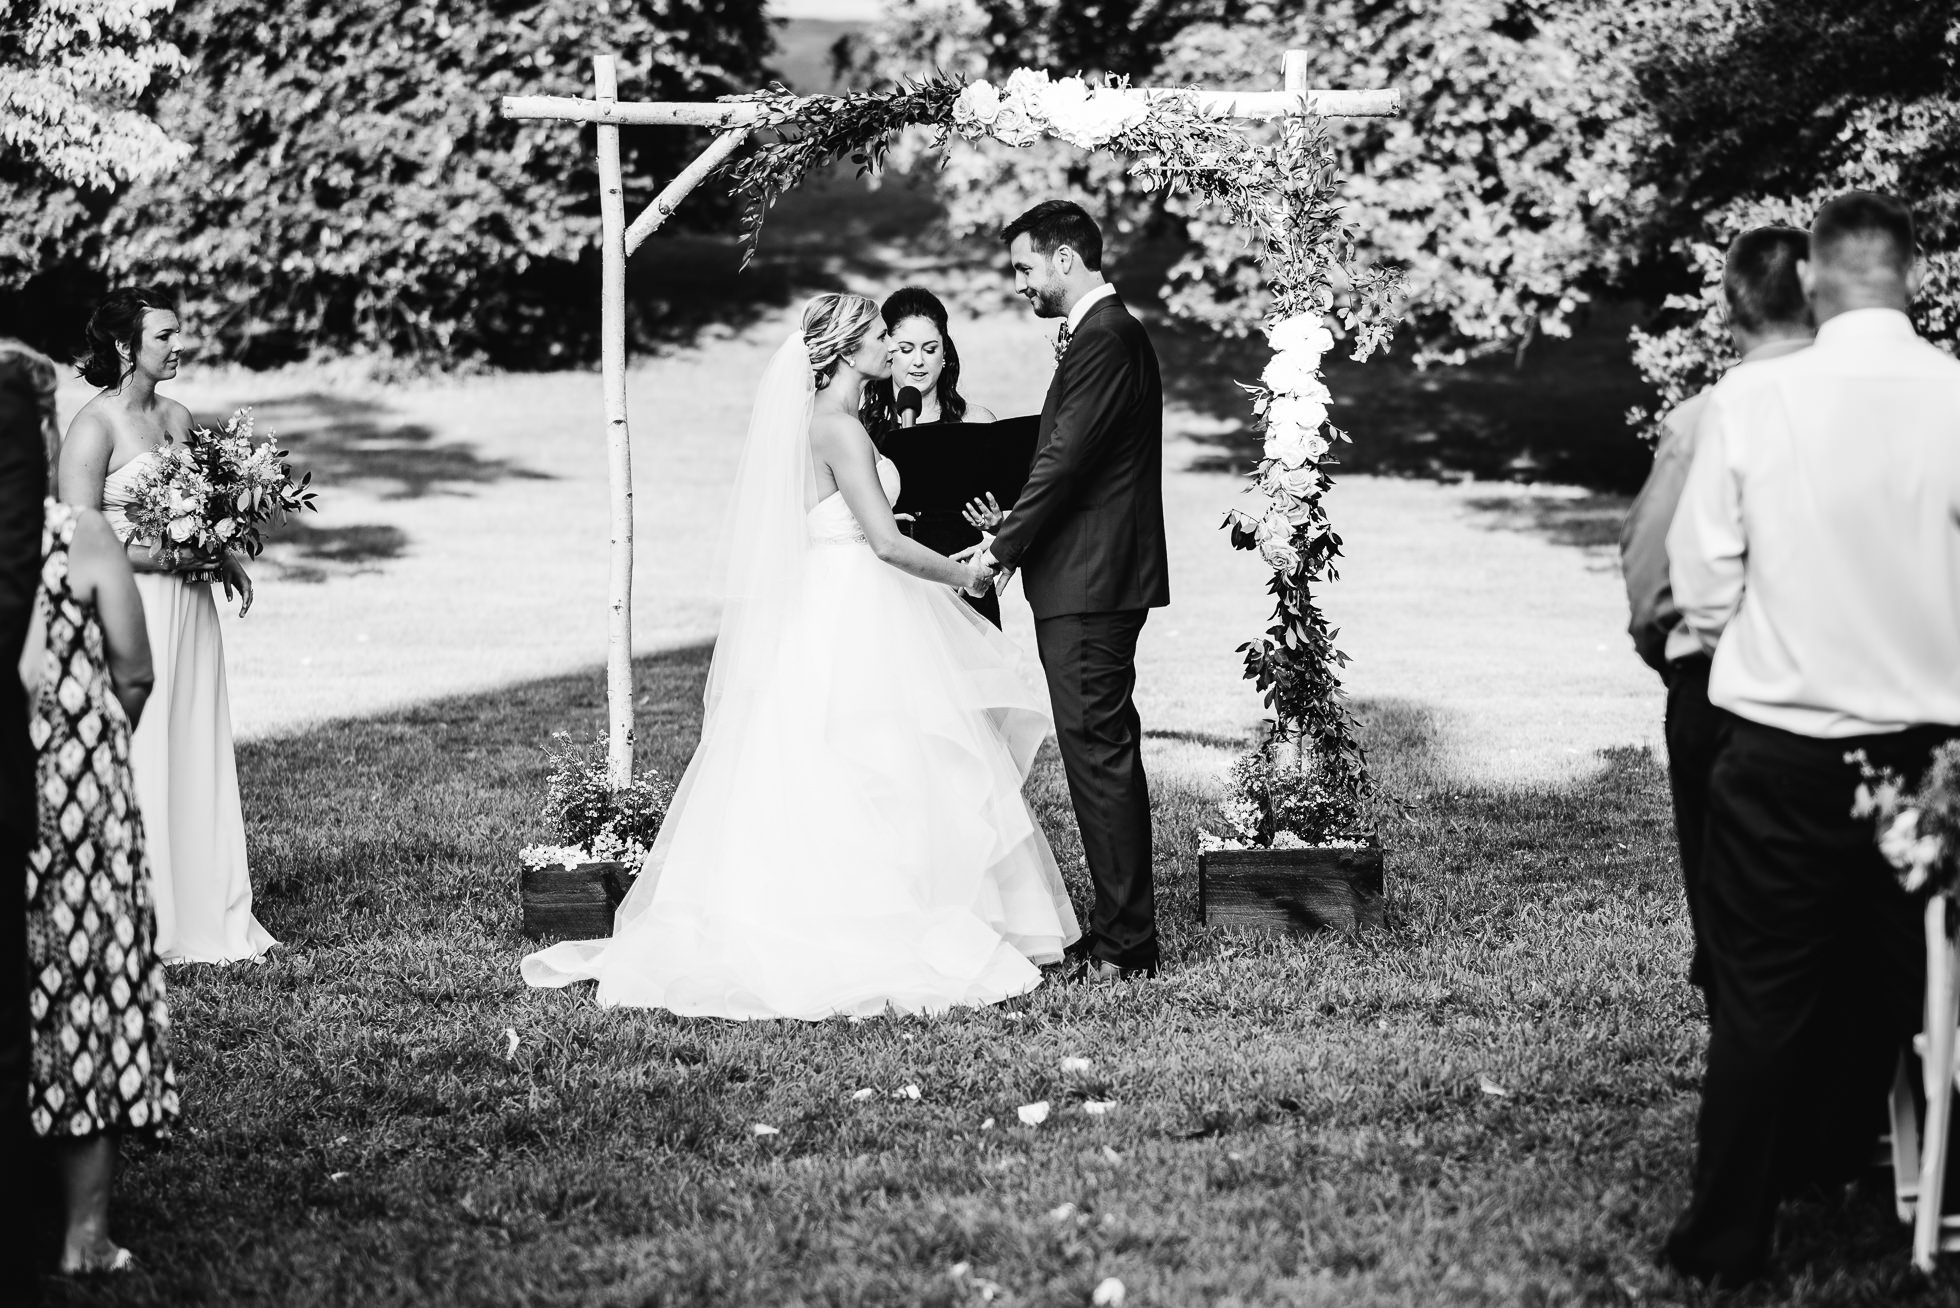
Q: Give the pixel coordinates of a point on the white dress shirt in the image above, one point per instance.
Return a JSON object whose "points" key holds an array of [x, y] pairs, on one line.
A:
{"points": [[1088, 301], [1818, 535]]}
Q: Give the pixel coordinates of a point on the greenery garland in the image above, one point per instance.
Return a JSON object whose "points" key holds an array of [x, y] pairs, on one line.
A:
{"points": [[1282, 188]]}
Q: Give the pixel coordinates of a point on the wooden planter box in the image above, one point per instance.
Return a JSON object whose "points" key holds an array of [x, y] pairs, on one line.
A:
{"points": [[574, 903], [1293, 890]]}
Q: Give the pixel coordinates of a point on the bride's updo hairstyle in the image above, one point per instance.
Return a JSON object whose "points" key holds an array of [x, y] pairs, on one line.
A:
{"points": [[118, 320], [833, 324]]}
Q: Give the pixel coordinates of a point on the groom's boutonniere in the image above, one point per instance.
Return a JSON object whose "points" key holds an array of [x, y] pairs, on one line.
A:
{"points": [[1061, 343]]}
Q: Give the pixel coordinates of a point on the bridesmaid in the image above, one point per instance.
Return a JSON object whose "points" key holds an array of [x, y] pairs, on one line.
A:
{"points": [[186, 776], [100, 1065], [924, 358]]}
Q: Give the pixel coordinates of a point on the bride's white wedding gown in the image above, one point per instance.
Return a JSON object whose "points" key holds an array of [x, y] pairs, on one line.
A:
{"points": [[854, 838]]}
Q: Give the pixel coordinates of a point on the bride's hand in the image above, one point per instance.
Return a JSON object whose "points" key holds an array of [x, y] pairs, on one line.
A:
{"points": [[979, 578], [231, 571], [984, 514]]}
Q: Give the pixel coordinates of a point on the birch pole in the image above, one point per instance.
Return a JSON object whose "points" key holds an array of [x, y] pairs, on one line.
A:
{"points": [[619, 449]]}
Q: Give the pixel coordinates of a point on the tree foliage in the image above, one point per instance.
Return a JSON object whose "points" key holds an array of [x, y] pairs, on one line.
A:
{"points": [[1771, 109], [355, 189], [75, 76], [1550, 151]]}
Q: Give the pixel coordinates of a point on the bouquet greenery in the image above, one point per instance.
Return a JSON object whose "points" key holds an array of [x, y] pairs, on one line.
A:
{"points": [[590, 821], [216, 491]]}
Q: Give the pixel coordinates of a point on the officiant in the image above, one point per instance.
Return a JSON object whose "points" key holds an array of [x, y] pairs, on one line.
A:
{"points": [[921, 421]]}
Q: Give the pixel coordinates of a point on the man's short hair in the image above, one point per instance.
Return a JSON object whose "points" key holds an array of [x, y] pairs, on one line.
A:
{"points": [[1759, 278], [1858, 229], [1055, 223]]}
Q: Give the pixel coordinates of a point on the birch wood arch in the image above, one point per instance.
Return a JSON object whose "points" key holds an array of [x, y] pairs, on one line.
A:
{"points": [[1294, 664]]}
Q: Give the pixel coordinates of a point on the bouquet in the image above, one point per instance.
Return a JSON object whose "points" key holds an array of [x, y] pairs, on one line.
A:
{"points": [[215, 492], [1918, 830]]}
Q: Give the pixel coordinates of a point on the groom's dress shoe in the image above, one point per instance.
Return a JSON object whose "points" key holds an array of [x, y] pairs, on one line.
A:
{"points": [[1099, 973]]}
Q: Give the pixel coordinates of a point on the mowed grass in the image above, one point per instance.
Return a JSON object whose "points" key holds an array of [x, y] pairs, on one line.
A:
{"points": [[1296, 1122]]}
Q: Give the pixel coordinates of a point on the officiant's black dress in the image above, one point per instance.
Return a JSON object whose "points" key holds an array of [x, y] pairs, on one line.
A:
{"points": [[942, 529], [1087, 534]]}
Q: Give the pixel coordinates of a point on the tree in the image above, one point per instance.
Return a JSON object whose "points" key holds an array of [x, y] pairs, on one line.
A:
{"points": [[354, 188], [1500, 190], [1768, 112], [74, 75]]}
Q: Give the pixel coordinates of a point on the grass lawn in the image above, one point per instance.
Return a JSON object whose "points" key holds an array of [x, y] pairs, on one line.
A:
{"points": [[1491, 1103]]}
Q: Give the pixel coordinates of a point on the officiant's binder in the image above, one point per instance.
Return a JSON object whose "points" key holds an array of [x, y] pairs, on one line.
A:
{"points": [[942, 465]]}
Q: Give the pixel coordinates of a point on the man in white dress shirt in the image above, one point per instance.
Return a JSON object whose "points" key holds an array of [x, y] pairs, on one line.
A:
{"points": [[1818, 537], [1769, 316]]}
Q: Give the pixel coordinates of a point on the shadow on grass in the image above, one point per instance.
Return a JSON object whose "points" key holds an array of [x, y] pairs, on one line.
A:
{"points": [[1559, 416], [344, 439], [384, 1114], [310, 555]]}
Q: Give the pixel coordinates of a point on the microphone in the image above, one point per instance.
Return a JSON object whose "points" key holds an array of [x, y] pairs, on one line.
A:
{"points": [[908, 402]]}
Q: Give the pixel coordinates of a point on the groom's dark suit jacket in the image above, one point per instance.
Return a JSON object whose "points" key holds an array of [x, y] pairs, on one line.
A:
{"points": [[1087, 532]]}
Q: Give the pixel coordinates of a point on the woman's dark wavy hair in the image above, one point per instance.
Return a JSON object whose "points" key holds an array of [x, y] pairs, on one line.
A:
{"points": [[879, 413], [118, 320]]}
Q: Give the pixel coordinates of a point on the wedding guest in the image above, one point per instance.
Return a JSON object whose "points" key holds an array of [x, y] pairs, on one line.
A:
{"points": [[23, 486], [101, 1065], [1768, 317], [186, 774], [1818, 540], [925, 359]]}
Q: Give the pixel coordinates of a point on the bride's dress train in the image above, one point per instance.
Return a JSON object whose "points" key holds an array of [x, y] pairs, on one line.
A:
{"points": [[853, 836]]}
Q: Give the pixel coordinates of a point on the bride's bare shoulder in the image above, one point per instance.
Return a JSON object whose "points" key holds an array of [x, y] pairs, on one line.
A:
{"points": [[838, 432]]}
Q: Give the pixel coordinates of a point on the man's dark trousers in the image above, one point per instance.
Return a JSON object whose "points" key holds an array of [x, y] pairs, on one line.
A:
{"points": [[1090, 659], [1817, 962], [1693, 731]]}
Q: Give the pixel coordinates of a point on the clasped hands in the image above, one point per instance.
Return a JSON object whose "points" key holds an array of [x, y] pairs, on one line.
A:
{"points": [[988, 574]]}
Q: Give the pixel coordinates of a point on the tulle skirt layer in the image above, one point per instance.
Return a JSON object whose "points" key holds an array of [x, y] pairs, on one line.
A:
{"points": [[850, 835]]}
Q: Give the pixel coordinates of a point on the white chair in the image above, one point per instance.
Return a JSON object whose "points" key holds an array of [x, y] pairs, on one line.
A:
{"points": [[1919, 1150]]}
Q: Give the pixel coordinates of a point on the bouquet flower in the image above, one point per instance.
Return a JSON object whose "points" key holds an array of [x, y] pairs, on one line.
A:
{"points": [[1918, 830], [216, 491]]}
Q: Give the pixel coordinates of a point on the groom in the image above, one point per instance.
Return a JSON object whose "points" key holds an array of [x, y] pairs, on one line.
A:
{"points": [[1088, 535]]}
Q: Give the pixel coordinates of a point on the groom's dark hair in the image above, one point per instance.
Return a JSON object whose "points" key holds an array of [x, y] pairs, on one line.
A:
{"points": [[1055, 223], [1759, 278]]}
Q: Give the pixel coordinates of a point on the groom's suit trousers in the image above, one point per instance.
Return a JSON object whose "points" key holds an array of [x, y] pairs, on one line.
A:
{"points": [[1817, 968], [1090, 659]]}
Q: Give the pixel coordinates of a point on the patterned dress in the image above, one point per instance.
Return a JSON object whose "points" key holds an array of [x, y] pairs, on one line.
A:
{"points": [[100, 1023]]}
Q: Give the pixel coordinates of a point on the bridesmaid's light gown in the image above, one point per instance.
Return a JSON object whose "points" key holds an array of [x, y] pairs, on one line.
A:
{"points": [[186, 775]]}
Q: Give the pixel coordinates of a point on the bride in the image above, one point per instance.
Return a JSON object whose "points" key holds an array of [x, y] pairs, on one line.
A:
{"points": [[850, 835]]}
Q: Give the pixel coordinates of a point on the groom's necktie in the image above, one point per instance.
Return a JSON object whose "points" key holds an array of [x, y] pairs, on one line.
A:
{"points": [[1061, 342]]}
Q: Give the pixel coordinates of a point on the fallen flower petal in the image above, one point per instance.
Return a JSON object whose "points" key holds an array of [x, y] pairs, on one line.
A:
{"points": [[864, 1094], [1074, 1065], [510, 1050], [987, 1125], [906, 1092], [1491, 1087], [1033, 1114], [1111, 1156], [1061, 1212], [1109, 1294], [761, 1129], [1097, 1107]]}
